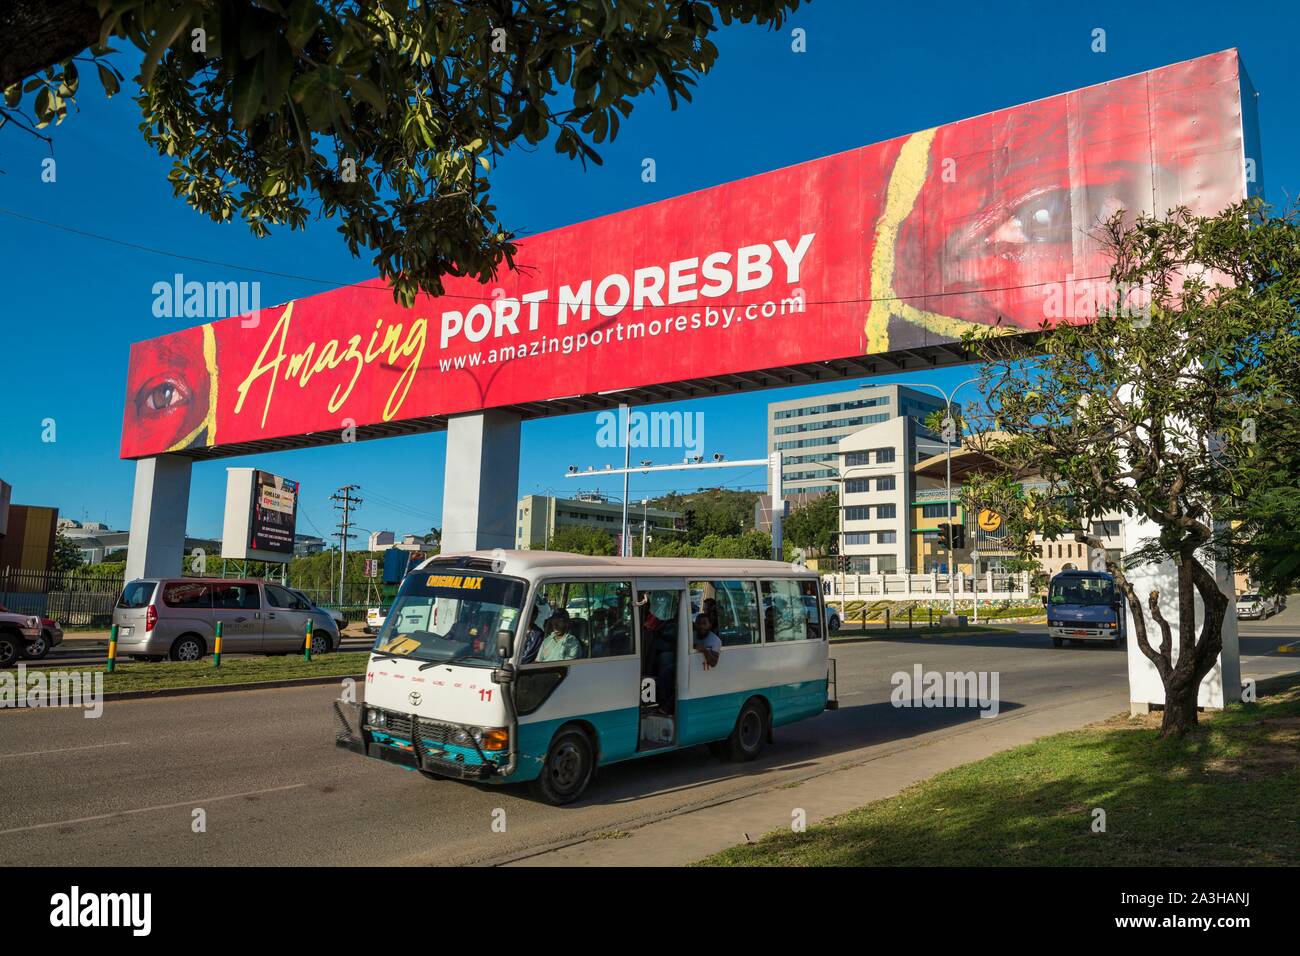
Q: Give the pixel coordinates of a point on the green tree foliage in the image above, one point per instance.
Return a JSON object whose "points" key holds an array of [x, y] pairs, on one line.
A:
{"points": [[747, 546], [718, 511], [578, 540], [1182, 412], [67, 556], [386, 115], [815, 525]]}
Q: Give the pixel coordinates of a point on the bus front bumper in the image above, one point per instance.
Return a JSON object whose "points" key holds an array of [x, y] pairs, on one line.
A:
{"points": [[1083, 632], [354, 736]]}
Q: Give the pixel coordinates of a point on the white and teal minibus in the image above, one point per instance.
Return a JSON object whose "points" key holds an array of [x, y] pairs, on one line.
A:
{"points": [[538, 667]]}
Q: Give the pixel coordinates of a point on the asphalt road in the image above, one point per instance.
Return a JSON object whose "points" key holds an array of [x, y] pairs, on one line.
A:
{"points": [[122, 789]]}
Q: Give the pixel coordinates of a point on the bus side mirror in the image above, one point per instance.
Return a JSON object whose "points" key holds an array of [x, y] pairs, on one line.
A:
{"points": [[505, 644], [1044, 600]]}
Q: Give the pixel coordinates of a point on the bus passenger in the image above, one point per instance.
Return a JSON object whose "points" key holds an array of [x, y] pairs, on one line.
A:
{"points": [[536, 631], [707, 642], [559, 644]]}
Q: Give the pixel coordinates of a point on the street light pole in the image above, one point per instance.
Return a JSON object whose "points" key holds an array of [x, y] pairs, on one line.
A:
{"points": [[645, 510], [625, 412], [947, 401], [840, 479]]}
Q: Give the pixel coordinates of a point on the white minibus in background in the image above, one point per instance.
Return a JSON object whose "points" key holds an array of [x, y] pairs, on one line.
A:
{"points": [[537, 667]]}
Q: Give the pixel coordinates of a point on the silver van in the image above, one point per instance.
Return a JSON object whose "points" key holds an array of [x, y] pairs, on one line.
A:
{"points": [[177, 618]]}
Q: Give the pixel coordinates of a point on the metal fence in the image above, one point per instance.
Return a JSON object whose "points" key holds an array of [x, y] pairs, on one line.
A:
{"points": [[72, 598]]}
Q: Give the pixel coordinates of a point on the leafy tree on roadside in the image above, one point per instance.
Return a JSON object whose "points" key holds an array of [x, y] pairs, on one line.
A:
{"points": [[67, 556], [814, 525], [385, 115], [578, 540], [1175, 412]]}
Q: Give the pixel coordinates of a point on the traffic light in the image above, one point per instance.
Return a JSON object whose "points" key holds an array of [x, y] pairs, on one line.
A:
{"points": [[952, 535], [835, 546]]}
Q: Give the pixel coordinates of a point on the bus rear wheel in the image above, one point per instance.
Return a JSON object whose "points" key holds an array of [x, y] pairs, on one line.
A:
{"points": [[567, 770], [749, 735]]}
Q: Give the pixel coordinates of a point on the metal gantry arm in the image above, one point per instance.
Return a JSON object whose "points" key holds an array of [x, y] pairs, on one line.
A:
{"points": [[772, 462]]}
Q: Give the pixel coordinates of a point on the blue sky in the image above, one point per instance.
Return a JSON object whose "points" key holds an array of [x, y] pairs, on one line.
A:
{"points": [[74, 304]]}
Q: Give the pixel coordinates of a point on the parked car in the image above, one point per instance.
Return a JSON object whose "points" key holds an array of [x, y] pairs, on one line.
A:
{"points": [[177, 618], [26, 636], [1256, 607], [375, 617]]}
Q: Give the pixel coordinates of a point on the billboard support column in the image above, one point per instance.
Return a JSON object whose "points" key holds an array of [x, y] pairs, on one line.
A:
{"points": [[158, 513], [481, 481], [1222, 685]]}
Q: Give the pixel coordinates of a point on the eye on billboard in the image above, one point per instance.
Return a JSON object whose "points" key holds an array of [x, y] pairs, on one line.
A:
{"points": [[896, 247], [261, 516]]}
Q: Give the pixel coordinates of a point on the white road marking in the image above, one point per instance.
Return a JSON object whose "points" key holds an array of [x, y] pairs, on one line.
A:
{"points": [[165, 806], [63, 750]]}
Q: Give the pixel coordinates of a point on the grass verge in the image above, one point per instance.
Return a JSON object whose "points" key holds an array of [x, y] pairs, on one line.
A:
{"points": [[1225, 796], [138, 675]]}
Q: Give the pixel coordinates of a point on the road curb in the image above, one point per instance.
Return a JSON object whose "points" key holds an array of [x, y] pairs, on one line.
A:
{"points": [[224, 688]]}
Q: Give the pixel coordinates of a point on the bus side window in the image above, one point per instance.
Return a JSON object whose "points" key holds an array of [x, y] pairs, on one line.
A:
{"points": [[784, 617], [732, 609], [808, 590], [608, 617]]}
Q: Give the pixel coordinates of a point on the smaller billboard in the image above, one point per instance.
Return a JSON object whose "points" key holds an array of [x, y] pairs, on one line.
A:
{"points": [[261, 516], [275, 508]]}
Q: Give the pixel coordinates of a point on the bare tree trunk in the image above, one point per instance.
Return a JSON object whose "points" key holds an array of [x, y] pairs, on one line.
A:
{"points": [[35, 34], [1180, 714], [1196, 653]]}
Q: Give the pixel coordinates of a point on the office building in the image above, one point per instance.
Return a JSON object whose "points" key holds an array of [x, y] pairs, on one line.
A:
{"points": [[807, 430], [539, 516]]}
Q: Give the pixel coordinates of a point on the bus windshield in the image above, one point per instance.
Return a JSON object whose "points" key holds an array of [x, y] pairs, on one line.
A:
{"points": [[449, 615], [1081, 591]]}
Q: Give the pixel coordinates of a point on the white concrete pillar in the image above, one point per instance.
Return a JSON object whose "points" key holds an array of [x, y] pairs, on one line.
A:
{"points": [[159, 510], [1222, 685], [481, 481]]}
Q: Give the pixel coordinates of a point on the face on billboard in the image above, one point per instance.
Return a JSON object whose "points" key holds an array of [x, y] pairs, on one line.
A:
{"points": [[170, 391], [905, 244]]}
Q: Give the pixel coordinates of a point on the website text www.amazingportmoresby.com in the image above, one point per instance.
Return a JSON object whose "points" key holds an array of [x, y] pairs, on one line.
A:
{"points": [[626, 330]]}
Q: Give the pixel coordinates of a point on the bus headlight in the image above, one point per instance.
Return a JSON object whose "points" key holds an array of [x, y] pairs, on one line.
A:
{"points": [[376, 718]]}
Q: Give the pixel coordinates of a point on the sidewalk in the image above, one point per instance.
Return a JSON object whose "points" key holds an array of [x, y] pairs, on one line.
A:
{"points": [[878, 772]]}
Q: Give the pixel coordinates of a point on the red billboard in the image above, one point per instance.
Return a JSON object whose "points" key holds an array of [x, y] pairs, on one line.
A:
{"points": [[901, 245]]}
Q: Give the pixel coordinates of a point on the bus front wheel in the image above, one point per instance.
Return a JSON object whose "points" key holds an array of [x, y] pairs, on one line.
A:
{"points": [[568, 769]]}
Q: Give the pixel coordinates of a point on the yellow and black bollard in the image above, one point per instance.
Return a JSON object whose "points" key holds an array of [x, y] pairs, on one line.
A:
{"points": [[112, 649], [216, 650], [306, 644]]}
